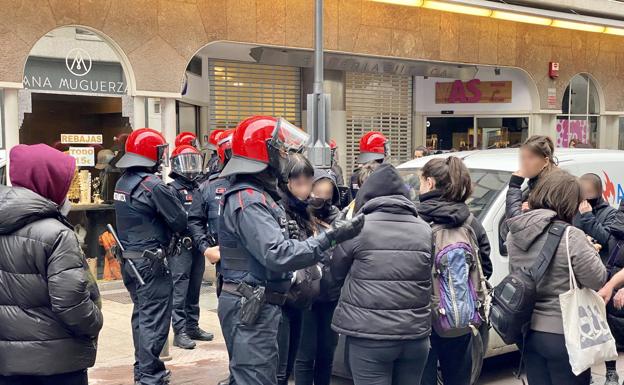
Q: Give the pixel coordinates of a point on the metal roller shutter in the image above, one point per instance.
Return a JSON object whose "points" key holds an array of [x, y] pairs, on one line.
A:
{"points": [[239, 90], [380, 102]]}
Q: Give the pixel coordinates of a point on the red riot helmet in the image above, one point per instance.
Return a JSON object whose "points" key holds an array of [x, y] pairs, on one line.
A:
{"points": [[259, 142], [187, 161], [213, 139], [224, 146], [332, 145], [186, 138], [373, 146], [145, 147]]}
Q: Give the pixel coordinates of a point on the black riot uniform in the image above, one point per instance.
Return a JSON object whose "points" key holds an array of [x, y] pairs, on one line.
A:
{"points": [[255, 249], [204, 216], [257, 256], [187, 270], [148, 211]]}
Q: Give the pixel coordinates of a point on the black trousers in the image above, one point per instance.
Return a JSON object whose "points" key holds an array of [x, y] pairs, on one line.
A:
{"points": [[315, 356], [73, 378], [547, 361], [187, 271], [151, 317], [288, 341], [454, 356], [252, 349], [374, 362]]}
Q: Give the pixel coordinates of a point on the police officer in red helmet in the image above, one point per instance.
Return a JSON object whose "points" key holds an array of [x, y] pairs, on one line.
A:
{"points": [[186, 138], [374, 147], [187, 267], [257, 256], [147, 212], [212, 160]]}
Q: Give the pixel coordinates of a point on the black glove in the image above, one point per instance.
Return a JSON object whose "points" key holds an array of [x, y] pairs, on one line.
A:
{"points": [[343, 230], [293, 230]]}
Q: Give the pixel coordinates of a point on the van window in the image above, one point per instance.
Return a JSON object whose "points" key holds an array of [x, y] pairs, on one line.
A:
{"points": [[487, 185]]}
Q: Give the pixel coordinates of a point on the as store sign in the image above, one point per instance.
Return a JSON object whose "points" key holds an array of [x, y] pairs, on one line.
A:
{"points": [[473, 91], [85, 156]]}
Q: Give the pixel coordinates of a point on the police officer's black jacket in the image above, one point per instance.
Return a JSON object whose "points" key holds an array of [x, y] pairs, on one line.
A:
{"points": [[435, 209], [253, 237], [49, 302], [147, 211], [203, 216], [387, 290], [185, 190]]}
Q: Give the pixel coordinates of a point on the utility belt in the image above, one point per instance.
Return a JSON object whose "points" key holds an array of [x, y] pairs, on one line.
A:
{"points": [[244, 290]]}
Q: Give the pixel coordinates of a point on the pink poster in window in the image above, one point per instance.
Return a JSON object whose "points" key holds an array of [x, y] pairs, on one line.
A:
{"points": [[570, 129]]}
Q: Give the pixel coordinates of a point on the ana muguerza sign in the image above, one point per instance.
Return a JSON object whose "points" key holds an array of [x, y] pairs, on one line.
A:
{"points": [[81, 138], [85, 156], [76, 73]]}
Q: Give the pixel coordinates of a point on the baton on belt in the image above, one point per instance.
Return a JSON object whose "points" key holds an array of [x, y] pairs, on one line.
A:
{"points": [[137, 275]]}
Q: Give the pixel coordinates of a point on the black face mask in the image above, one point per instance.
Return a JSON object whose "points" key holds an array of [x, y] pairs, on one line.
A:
{"points": [[319, 205], [593, 202], [297, 204]]}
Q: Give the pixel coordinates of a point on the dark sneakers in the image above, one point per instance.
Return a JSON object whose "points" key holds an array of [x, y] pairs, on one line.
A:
{"points": [[199, 334], [182, 340]]}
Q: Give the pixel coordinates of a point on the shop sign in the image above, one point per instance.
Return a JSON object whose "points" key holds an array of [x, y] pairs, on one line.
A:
{"points": [[81, 138], [473, 91], [85, 156], [75, 73]]}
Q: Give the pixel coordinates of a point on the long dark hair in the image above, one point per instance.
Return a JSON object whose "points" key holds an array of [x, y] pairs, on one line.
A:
{"points": [[299, 165], [451, 177], [558, 191]]}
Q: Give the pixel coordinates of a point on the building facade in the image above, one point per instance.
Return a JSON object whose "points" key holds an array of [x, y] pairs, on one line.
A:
{"points": [[424, 76]]}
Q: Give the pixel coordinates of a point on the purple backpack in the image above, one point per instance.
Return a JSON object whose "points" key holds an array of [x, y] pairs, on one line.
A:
{"points": [[459, 285]]}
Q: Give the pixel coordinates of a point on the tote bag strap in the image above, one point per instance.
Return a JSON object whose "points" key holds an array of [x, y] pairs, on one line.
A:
{"points": [[573, 284]]}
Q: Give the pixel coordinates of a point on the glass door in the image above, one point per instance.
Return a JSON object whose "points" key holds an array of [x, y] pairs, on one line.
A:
{"points": [[501, 132]]}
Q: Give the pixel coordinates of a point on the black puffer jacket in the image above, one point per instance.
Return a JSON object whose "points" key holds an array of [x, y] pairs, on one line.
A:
{"points": [[434, 209], [387, 291], [49, 302], [514, 200]]}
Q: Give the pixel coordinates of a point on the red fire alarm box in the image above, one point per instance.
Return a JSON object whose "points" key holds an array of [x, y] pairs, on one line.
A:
{"points": [[553, 70]]}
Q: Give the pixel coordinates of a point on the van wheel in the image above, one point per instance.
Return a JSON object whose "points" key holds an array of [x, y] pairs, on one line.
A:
{"points": [[478, 353]]}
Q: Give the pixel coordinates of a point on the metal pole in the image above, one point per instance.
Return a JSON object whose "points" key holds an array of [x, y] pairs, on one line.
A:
{"points": [[318, 103], [318, 47]]}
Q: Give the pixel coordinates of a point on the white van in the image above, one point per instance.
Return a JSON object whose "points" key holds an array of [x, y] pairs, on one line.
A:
{"points": [[490, 171]]}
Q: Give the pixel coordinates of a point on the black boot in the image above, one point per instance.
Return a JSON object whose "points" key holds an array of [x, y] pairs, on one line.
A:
{"points": [[183, 341], [198, 334]]}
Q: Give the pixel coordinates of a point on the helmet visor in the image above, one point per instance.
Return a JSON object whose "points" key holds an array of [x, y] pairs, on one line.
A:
{"points": [[162, 154], [289, 137], [387, 151], [187, 164]]}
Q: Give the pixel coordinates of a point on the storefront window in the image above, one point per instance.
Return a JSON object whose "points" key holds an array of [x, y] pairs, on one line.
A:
{"points": [[621, 134], [579, 123], [501, 132]]}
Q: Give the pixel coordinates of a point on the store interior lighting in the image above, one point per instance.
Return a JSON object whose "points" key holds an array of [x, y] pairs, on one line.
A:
{"points": [[524, 16]]}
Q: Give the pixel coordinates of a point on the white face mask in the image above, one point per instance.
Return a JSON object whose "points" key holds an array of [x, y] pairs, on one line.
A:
{"points": [[65, 207]]}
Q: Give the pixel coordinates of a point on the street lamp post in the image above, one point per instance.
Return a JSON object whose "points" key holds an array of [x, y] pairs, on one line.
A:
{"points": [[319, 105]]}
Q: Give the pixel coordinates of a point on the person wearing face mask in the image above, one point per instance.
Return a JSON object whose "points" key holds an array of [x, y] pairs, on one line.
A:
{"points": [[536, 159], [295, 193], [600, 222], [313, 364], [50, 312], [257, 253]]}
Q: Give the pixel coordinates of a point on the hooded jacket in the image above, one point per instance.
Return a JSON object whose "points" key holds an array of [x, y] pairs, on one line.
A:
{"points": [[436, 210], [600, 224], [526, 238], [387, 290], [49, 302]]}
